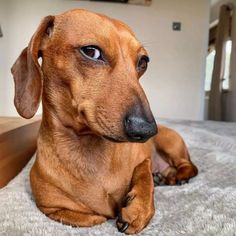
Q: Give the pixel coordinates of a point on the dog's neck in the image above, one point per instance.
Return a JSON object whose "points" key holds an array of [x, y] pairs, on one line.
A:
{"points": [[88, 151]]}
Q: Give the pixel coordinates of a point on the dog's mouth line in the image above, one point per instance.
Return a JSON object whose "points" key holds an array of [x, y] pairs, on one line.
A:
{"points": [[137, 139], [86, 131], [107, 133], [114, 140]]}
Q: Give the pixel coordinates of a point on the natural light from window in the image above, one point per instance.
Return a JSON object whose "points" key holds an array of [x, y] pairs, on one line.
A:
{"points": [[210, 66]]}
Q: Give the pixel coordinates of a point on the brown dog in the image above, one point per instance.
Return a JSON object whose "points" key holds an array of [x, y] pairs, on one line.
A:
{"points": [[95, 151]]}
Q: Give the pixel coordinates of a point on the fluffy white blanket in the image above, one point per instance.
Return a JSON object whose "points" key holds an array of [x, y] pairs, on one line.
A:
{"points": [[205, 206]]}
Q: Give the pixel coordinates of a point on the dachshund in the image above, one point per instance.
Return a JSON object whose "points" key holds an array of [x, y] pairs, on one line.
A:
{"points": [[98, 144]]}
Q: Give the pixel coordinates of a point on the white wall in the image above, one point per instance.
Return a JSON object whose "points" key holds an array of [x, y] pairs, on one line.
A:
{"points": [[174, 81]]}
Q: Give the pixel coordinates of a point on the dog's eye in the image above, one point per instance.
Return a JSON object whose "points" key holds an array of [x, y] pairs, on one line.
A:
{"points": [[92, 52], [142, 63]]}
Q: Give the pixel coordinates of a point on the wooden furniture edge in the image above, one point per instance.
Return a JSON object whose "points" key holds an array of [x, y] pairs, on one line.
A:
{"points": [[18, 139]]}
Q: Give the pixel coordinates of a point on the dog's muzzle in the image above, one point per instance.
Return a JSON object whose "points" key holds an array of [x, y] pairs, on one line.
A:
{"points": [[138, 129]]}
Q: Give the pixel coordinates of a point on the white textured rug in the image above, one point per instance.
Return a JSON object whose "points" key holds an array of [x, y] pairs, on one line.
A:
{"points": [[205, 206]]}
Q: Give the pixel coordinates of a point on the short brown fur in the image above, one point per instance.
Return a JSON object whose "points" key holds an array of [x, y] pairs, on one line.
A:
{"points": [[79, 177]]}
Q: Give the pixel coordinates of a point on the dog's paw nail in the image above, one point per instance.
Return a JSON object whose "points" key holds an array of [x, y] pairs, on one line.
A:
{"points": [[181, 182], [158, 179], [178, 182], [123, 226]]}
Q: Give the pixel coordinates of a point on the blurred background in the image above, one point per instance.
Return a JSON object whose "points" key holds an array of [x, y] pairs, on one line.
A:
{"points": [[189, 43]]}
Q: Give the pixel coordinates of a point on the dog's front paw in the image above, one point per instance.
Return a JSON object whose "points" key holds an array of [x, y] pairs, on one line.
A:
{"points": [[135, 214]]}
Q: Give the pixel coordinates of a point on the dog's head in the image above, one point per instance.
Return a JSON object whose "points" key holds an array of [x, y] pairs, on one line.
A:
{"points": [[89, 76]]}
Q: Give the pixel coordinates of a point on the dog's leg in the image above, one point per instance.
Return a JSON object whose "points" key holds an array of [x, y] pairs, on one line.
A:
{"points": [[74, 218], [58, 206], [69, 212], [171, 147], [138, 206]]}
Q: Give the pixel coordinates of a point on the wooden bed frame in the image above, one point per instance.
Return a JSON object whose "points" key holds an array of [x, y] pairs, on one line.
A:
{"points": [[18, 139]]}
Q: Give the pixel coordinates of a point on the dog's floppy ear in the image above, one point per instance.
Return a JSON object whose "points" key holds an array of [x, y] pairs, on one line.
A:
{"points": [[28, 74]]}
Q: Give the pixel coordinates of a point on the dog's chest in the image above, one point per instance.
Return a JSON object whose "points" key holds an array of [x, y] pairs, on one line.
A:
{"points": [[110, 190], [114, 181], [110, 184], [117, 184]]}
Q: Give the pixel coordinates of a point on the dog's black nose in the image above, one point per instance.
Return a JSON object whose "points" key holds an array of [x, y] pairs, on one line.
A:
{"points": [[138, 129]]}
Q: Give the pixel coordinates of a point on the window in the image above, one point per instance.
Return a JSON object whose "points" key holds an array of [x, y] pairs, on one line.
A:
{"points": [[226, 81], [210, 66], [209, 69]]}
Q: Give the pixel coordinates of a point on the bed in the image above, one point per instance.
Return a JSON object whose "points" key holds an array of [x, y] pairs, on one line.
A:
{"points": [[204, 206]]}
